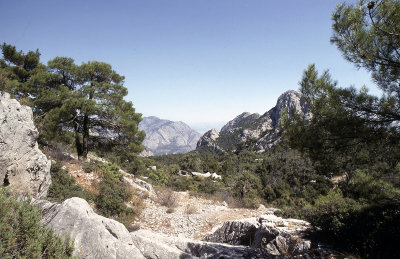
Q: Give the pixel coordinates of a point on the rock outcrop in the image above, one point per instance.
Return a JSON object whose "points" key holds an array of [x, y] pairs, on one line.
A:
{"points": [[240, 121], [273, 235], [159, 246], [168, 137], [94, 236], [253, 131], [208, 140], [22, 165], [98, 237]]}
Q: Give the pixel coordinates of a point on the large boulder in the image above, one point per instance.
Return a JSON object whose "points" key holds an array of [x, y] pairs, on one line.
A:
{"points": [[94, 236], [22, 165], [274, 236], [237, 232], [159, 246]]}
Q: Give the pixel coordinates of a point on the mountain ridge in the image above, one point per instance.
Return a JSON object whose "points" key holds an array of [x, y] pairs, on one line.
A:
{"points": [[254, 131]]}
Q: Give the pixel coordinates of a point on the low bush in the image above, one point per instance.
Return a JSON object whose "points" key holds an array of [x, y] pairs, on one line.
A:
{"points": [[114, 195], [21, 234], [371, 230], [64, 186]]}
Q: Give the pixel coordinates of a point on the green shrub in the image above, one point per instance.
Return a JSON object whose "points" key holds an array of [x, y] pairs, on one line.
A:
{"points": [[113, 196], [22, 236], [112, 171], [331, 212], [159, 176], [372, 230], [89, 167], [64, 186]]}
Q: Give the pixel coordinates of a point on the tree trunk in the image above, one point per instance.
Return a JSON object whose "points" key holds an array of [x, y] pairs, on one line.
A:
{"points": [[78, 143], [85, 136]]}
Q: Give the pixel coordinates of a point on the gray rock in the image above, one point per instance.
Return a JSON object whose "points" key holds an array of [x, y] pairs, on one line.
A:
{"points": [[99, 237], [159, 246], [239, 122], [22, 165], [209, 140], [266, 233], [234, 232], [94, 236], [168, 137], [258, 132]]}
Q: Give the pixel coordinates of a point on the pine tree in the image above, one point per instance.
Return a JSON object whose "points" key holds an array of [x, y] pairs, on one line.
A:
{"points": [[20, 69], [89, 102]]}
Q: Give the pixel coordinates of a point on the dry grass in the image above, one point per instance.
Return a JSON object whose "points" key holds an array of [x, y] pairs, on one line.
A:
{"points": [[167, 197], [191, 209]]}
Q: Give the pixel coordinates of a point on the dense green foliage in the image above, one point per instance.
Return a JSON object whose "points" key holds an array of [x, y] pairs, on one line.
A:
{"points": [[21, 234], [280, 177], [355, 136]]}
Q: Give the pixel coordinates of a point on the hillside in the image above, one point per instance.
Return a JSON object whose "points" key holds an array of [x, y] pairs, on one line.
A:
{"points": [[252, 131], [168, 137]]}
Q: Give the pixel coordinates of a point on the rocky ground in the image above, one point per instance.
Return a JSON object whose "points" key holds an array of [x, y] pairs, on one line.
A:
{"points": [[178, 224], [192, 217]]}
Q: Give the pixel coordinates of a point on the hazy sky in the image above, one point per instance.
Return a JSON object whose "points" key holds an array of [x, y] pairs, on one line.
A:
{"points": [[198, 61]]}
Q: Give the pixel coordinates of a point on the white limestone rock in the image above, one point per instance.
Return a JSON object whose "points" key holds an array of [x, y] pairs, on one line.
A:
{"points": [[94, 236], [22, 165]]}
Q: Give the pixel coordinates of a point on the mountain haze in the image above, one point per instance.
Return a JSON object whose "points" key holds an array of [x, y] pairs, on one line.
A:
{"points": [[168, 137]]}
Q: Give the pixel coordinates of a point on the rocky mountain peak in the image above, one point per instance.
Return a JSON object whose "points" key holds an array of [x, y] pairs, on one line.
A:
{"points": [[288, 101], [212, 134], [261, 130], [208, 140], [240, 121]]}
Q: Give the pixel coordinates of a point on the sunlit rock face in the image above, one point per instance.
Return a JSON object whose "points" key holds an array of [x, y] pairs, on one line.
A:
{"points": [[23, 166]]}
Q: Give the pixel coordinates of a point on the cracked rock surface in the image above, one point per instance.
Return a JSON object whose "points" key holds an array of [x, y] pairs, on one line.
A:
{"points": [[22, 165]]}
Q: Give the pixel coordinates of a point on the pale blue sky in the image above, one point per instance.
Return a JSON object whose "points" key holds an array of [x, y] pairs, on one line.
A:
{"points": [[198, 61]]}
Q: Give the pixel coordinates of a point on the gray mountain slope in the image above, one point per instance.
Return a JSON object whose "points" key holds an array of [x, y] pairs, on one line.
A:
{"points": [[168, 137], [254, 131]]}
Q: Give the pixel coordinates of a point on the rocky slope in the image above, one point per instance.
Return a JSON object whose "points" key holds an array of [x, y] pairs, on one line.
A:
{"points": [[254, 131], [168, 137], [22, 165], [181, 234]]}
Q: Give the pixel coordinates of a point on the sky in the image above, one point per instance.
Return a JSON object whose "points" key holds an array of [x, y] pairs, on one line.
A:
{"points": [[202, 62]]}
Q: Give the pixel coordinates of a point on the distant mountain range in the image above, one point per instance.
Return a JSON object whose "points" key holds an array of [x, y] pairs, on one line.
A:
{"points": [[254, 131], [168, 137]]}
